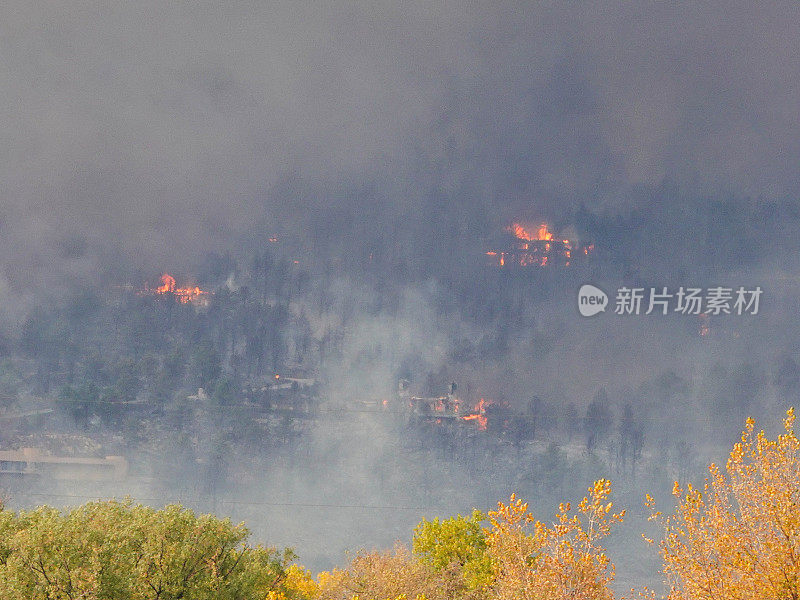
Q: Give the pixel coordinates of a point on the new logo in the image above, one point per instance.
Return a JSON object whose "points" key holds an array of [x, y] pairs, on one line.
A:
{"points": [[591, 300]]}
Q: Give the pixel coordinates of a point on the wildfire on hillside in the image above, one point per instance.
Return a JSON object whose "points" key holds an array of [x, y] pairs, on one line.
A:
{"points": [[184, 295], [531, 247], [535, 246]]}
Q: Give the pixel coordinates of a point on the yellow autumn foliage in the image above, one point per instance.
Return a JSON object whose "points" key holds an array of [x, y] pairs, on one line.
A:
{"points": [[393, 574], [739, 536], [536, 561]]}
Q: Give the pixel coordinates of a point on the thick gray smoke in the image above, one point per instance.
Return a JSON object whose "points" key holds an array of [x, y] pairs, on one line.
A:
{"points": [[141, 136]]}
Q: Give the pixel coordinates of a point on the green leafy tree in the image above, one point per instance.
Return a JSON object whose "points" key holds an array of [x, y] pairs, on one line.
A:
{"points": [[121, 551], [457, 541]]}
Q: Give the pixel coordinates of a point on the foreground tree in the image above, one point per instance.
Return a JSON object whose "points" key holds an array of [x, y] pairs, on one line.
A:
{"points": [[739, 537], [121, 551], [457, 544], [516, 558], [565, 561], [384, 575]]}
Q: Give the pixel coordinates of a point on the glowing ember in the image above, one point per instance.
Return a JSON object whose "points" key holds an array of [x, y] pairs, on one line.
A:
{"points": [[705, 324]]}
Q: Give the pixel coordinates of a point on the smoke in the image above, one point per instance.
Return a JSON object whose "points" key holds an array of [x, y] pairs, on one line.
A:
{"points": [[143, 136]]}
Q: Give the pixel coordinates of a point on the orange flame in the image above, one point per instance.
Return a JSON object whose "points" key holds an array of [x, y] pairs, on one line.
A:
{"points": [[543, 234], [184, 295], [521, 233], [479, 416], [167, 284]]}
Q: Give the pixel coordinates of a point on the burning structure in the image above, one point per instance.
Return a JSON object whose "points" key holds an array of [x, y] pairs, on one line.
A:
{"points": [[439, 407], [184, 295], [526, 247], [446, 408]]}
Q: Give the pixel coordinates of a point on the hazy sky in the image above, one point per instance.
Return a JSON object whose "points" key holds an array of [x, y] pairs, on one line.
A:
{"points": [[144, 134]]}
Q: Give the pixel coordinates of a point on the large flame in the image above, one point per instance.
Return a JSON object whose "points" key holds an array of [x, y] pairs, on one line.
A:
{"points": [[520, 232], [543, 234], [479, 416], [167, 284]]}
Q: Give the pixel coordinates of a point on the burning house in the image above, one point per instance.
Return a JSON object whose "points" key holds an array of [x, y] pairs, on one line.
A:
{"points": [[439, 407], [524, 246], [184, 295], [448, 408]]}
